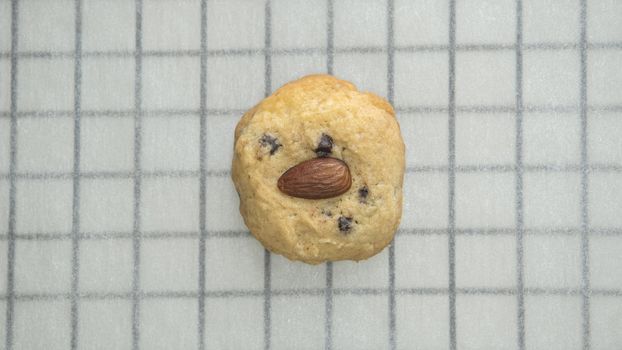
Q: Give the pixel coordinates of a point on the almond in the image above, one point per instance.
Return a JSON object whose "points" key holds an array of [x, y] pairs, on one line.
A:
{"points": [[316, 178]]}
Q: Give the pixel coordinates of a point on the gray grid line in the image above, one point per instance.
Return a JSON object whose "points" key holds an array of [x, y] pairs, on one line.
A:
{"points": [[390, 95], [494, 109], [585, 277], [137, 178], [328, 326], [10, 286], [484, 168], [53, 236], [487, 231], [546, 46], [75, 215], [203, 177], [330, 58], [470, 231], [520, 299], [245, 293], [452, 175], [330, 36], [125, 113], [267, 91], [114, 174], [234, 112], [510, 168]]}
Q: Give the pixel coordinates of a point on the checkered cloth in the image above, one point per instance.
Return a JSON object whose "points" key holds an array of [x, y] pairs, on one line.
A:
{"points": [[119, 222]]}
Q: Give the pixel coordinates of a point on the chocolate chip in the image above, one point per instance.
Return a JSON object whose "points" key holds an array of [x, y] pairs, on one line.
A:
{"points": [[273, 142], [344, 224], [325, 147], [363, 193], [327, 213]]}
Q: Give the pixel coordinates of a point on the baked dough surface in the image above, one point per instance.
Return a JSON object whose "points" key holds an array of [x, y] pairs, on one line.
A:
{"points": [[285, 129]]}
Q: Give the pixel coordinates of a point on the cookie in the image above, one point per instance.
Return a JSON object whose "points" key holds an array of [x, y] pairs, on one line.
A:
{"points": [[319, 166]]}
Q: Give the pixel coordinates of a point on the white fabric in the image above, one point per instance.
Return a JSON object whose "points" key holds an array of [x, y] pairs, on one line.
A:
{"points": [[301, 312]]}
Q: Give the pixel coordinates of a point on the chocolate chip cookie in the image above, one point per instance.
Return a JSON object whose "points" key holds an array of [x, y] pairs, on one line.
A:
{"points": [[319, 168]]}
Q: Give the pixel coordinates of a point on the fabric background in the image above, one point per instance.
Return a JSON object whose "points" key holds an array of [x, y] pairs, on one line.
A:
{"points": [[119, 225]]}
